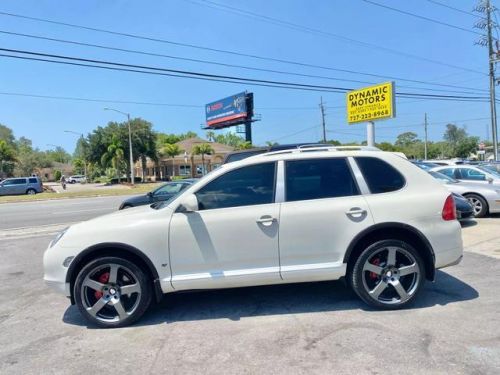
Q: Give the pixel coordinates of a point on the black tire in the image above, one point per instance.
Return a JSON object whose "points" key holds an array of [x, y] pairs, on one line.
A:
{"points": [[104, 300], [390, 278], [31, 191], [479, 204]]}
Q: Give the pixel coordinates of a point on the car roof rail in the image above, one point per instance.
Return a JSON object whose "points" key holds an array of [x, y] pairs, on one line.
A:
{"points": [[325, 147]]}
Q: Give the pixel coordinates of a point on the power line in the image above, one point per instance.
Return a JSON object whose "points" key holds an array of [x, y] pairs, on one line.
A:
{"points": [[422, 17], [73, 42], [234, 53], [294, 26], [453, 8], [211, 77], [118, 101]]}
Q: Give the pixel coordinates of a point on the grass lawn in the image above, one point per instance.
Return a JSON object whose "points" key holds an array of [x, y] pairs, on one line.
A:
{"points": [[95, 192]]}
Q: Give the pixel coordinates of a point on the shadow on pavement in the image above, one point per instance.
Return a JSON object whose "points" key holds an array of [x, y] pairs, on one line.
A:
{"points": [[238, 303]]}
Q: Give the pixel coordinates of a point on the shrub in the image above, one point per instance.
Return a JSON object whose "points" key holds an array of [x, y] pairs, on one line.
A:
{"points": [[57, 175]]}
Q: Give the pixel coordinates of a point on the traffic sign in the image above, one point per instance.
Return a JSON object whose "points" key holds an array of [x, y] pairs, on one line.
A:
{"points": [[371, 103]]}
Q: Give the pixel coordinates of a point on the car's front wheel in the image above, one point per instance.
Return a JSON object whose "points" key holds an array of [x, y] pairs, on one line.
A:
{"points": [[112, 292], [388, 274]]}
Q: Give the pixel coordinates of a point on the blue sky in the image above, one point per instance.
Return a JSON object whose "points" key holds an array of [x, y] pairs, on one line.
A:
{"points": [[287, 115]]}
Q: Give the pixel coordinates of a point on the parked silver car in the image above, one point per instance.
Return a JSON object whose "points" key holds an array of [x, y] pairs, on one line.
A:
{"points": [[483, 198], [21, 185], [471, 173]]}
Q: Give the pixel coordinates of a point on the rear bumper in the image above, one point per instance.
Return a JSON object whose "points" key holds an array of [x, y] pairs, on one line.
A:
{"points": [[449, 258]]}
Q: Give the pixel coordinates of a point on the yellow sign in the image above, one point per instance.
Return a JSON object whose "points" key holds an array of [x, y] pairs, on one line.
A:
{"points": [[371, 103]]}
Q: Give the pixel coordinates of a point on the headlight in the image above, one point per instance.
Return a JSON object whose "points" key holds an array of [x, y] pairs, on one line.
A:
{"points": [[58, 237]]}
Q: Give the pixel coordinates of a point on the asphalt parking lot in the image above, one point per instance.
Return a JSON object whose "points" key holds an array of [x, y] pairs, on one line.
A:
{"points": [[301, 328]]}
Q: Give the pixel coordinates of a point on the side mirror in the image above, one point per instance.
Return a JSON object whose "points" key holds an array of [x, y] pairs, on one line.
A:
{"points": [[490, 180], [189, 203]]}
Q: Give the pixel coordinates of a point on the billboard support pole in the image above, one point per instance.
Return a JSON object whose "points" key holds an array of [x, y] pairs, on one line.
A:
{"points": [[248, 131], [370, 134]]}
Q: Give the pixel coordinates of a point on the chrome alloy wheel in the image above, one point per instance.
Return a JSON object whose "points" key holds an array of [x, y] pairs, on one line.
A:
{"points": [[111, 292], [476, 204], [391, 275]]}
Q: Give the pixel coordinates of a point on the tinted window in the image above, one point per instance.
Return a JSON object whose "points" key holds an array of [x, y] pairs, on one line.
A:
{"points": [[242, 155], [380, 176], [15, 181], [471, 174], [169, 189], [450, 172], [241, 187], [33, 181], [319, 178]]}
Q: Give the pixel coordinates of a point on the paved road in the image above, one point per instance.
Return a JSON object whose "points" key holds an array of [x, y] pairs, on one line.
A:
{"points": [[311, 328], [61, 211]]}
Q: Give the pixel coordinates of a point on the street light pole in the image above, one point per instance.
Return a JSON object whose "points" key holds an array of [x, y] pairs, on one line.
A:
{"points": [[129, 143]]}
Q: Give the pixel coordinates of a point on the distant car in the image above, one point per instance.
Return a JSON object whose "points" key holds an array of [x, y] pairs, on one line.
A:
{"points": [[21, 185], [483, 198], [445, 161], [78, 178], [163, 193], [471, 173], [463, 206], [425, 165]]}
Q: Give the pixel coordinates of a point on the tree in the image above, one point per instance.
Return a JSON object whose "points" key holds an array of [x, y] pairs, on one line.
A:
{"points": [[7, 156], [244, 146], [114, 155], [386, 146], [171, 151], [210, 135], [230, 139], [406, 139], [7, 135], [202, 149], [59, 155]]}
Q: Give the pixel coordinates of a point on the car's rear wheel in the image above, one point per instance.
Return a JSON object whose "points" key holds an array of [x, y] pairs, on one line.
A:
{"points": [[478, 203], [112, 292], [31, 191], [388, 274]]}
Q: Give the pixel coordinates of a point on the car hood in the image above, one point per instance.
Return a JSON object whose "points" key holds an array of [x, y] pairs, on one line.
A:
{"points": [[137, 199], [116, 227]]}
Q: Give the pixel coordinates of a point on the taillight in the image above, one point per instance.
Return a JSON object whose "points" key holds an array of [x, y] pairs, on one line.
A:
{"points": [[449, 210]]}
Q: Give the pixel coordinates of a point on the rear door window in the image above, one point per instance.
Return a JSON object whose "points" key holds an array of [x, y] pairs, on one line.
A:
{"points": [[471, 174], [380, 176], [33, 181], [319, 178]]}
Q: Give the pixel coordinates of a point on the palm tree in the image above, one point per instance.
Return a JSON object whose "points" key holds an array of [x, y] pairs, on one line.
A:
{"points": [[171, 150], [210, 135], [114, 154], [202, 149]]}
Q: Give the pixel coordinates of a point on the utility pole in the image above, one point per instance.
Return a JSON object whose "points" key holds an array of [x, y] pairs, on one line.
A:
{"points": [[486, 7], [425, 129], [322, 108]]}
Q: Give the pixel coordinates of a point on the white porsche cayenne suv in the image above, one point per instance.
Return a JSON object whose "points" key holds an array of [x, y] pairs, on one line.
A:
{"points": [[283, 217]]}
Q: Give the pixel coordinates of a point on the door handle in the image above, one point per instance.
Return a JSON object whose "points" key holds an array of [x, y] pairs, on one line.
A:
{"points": [[356, 211], [266, 219]]}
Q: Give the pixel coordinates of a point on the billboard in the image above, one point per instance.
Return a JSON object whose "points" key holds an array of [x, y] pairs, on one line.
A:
{"points": [[371, 103], [229, 111]]}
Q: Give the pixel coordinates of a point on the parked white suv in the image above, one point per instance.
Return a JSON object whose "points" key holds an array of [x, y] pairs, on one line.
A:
{"points": [[281, 217]]}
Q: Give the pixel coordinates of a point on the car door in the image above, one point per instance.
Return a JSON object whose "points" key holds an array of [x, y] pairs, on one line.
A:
{"points": [[20, 186], [232, 239], [322, 213], [472, 175]]}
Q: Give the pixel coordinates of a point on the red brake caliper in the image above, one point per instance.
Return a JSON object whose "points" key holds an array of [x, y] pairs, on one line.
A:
{"points": [[103, 279], [376, 262]]}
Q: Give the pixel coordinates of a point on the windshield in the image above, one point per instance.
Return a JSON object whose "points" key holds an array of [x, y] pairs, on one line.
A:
{"points": [[443, 177], [489, 169]]}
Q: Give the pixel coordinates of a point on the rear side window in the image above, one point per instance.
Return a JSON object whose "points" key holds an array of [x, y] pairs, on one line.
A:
{"points": [[33, 181], [319, 178], [381, 177]]}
